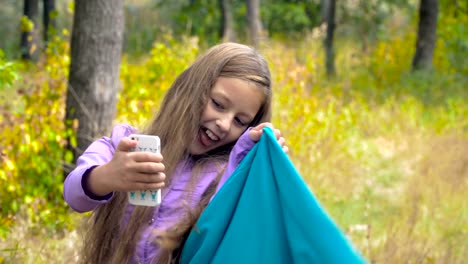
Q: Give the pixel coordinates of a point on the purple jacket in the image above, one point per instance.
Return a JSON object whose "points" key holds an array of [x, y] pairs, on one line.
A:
{"points": [[174, 196]]}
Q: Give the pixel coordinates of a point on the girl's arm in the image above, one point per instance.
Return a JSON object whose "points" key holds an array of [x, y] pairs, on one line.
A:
{"points": [[100, 152]]}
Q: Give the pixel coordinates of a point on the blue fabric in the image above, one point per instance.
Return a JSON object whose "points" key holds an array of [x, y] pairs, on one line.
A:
{"points": [[265, 213]]}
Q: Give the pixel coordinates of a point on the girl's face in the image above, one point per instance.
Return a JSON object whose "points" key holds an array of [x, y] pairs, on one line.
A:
{"points": [[232, 105]]}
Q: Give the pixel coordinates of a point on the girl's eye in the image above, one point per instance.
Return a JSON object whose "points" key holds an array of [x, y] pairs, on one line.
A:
{"points": [[240, 122], [217, 104]]}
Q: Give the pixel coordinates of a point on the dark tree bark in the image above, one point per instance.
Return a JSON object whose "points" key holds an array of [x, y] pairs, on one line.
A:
{"points": [[29, 37], [48, 20], [254, 22], [328, 43], [228, 33], [425, 44], [96, 47]]}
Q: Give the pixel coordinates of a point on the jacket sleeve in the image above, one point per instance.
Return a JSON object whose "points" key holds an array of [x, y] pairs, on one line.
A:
{"points": [[98, 153], [243, 145]]}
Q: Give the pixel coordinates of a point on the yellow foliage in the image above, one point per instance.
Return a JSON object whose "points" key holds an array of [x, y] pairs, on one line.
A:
{"points": [[32, 145], [10, 165], [26, 24], [146, 82]]}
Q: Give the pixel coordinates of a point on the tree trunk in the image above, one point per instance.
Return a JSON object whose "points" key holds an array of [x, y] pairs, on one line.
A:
{"points": [[328, 43], [254, 22], [96, 47], [29, 36], [323, 10], [228, 33], [427, 28], [49, 20]]}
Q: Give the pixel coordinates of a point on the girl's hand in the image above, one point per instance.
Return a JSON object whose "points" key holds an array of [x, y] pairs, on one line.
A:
{"points": [[128, 171], [256, 132]]}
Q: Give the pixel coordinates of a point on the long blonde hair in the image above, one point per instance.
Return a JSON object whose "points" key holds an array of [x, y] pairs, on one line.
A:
{"points": [[176, 123]]}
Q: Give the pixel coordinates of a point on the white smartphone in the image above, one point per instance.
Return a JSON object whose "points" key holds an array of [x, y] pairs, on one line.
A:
{"points": [[145, 197]]}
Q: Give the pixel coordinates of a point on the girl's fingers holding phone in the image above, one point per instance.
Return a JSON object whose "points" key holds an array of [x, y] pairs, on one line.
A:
{"points": [[146, 186], [149, 178], [126, 144], [143, 181], [146, 156], [149, 167]]}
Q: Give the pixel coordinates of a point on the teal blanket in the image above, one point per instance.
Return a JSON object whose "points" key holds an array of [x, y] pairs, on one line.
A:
{"points": [[265, 213]]}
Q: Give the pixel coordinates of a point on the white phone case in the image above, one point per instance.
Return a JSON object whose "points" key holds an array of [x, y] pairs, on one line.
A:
{"points": [[146, 197]]}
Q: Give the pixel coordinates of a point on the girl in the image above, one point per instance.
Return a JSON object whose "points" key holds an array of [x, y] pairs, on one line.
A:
{"points": [[210, 118]]}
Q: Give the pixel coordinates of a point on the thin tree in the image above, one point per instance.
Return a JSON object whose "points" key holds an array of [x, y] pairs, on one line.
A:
{"points": [[227, 23], [427, 29], [329, 12], [29, 35], [48, 19], [254, 22], [96, 47]]}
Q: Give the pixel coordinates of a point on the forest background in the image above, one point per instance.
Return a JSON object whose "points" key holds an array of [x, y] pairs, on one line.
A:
{"points": [[382, 144]]}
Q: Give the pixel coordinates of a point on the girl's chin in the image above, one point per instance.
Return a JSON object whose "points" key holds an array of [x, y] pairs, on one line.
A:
{"points": [[201, 146]]}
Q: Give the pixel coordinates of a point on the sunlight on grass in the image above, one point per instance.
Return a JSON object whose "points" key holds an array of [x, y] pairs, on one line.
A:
{"points": [[25, 246]]}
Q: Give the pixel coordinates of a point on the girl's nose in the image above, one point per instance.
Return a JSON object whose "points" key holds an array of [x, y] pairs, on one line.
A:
{"points": [[224, 123]]}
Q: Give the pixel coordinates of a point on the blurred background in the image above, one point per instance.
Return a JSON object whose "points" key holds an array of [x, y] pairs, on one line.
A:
{"points": [[370, 94]]}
